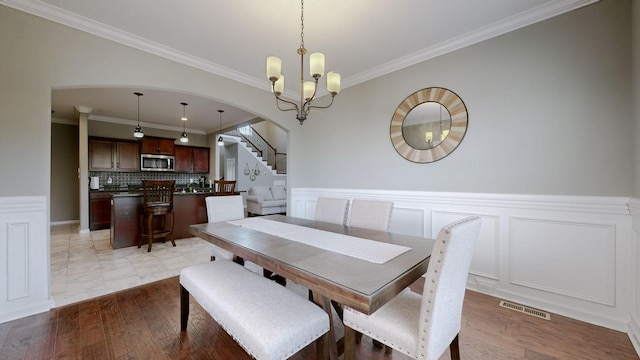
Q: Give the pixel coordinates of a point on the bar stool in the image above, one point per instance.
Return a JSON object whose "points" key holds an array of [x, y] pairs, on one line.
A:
{"points": [[224, 186], [158, 202]]}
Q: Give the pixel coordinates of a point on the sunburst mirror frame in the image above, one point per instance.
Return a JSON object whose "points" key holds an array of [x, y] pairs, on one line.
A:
{"points": [[459, 119]]}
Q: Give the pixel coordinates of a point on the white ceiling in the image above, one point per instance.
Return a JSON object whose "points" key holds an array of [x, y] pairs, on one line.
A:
{"points": [[361, 40]]}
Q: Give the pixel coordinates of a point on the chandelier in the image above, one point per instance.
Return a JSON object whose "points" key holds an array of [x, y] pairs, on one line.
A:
{"points": [[307, 88]]}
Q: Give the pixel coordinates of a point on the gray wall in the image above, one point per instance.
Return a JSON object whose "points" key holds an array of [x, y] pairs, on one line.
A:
{"points": [[549, 113], [635, 77], [273, 134], [64, 173], [549, 108]]}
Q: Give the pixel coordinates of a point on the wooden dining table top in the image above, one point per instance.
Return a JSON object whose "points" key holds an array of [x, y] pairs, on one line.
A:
{"points": [[359, 284]]}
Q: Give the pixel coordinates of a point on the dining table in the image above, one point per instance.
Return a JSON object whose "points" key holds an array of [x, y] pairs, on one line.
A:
{"points": [[355, 267]]}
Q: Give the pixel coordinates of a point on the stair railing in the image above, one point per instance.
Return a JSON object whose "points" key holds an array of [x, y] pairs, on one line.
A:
{"points": [[260, 145]]}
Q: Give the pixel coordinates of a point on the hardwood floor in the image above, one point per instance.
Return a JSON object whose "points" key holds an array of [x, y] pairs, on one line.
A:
{"points": [[144, 323]]}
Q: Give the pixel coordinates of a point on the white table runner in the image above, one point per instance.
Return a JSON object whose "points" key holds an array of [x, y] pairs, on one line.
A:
{"points": [[364, 249]]}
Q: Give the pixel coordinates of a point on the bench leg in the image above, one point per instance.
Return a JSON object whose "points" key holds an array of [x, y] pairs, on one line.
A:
{"points": [[184, 308], [455, 349]]}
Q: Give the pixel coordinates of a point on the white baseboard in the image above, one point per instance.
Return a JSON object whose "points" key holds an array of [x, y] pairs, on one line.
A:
{"points": [[634, 333], [66, 222]]}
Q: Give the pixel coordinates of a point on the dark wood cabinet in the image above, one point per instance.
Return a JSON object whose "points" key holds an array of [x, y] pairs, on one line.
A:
{"points": [[127, 156], [101, 155], [113, 155], [201, 160], [191, 159], [184, 159], [155, 145], [99, 210]]}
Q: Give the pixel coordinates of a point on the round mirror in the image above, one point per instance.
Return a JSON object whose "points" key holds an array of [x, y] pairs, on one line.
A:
{"points": [[428, 125]]}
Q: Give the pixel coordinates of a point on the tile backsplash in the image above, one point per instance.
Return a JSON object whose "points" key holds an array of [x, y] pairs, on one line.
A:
{"points": [[135, 178]]}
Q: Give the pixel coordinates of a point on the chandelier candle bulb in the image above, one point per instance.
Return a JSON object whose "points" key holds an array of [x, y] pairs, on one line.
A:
{"points": [[309, 89], [333, 82], [316, 65], [428, 136], [278, 87], [274, 68], [444, 135]]}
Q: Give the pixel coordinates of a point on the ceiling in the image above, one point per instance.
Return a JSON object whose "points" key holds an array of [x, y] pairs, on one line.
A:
{"points": [[361, 40]]}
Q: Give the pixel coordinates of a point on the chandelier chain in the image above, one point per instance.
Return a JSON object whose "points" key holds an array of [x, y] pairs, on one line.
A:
{"points": [[302, 24]]}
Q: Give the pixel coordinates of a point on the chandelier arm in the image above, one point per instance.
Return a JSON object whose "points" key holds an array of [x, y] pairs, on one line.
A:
{"points": [[278, 99], [321, 107], [273, 89]]}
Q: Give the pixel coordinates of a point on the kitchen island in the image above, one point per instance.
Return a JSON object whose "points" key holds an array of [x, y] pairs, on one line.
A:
{"points": [[188, 207]]}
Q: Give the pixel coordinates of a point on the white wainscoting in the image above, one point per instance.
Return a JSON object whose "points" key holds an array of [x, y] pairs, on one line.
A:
{"points": [[24, 257], [570, 255], [634, 324]]}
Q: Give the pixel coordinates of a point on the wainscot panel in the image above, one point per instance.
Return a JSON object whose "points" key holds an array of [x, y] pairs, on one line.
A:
{"points": [[570, 255], [24, 253]]}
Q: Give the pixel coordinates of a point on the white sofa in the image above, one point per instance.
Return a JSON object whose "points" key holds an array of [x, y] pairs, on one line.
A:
{"points": [[266, 200]]}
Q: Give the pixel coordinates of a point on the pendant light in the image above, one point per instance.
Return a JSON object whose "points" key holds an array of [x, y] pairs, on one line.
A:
{"points": [[184, 138], [137, 133], [220, 140]]}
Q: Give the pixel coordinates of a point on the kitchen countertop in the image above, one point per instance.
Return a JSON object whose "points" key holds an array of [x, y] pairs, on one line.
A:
{"points": [[137, 191]]}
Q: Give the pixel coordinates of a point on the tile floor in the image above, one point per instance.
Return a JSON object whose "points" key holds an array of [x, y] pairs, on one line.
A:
{"points": [[85, 266]]}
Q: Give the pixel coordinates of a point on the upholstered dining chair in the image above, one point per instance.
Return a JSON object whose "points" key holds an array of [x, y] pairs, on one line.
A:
{"points": [[370, 214], [226, 208], [223, 208], [157, 202], [332, 210], [423, 326]]}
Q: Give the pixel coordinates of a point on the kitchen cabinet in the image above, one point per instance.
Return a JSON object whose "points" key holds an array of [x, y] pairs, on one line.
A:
{"points": [[191, 159], [99, 210], [127, 156], [101, 155], [200, 160], [113, 155], [155, 145]]}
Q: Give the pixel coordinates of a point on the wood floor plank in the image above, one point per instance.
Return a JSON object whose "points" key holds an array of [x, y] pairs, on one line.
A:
{"points": [[118, 341], [143, 323]]}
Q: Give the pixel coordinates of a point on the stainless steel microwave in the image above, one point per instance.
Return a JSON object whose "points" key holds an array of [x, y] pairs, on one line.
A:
{"points": [[152, 162]]}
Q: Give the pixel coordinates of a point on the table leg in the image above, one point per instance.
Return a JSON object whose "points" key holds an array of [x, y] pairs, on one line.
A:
{"points": [[349, 343], [325, 304]]}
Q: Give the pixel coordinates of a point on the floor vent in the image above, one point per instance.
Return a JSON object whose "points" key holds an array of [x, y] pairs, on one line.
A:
{"points": [[524, 309]]}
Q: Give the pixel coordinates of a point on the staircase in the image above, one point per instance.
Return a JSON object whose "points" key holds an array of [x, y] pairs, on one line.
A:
{"points": [[261, 148]]}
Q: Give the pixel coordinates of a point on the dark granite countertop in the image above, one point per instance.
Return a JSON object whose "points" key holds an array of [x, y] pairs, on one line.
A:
{"points": [[139, 193], [136, 190]]}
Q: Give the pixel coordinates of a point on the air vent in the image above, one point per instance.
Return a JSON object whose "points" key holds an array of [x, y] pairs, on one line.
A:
{"points": [[524, 309]]}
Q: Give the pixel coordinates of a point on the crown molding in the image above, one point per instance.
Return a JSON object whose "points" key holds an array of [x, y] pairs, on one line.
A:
{"points": [[115, 120], [540, 13]]}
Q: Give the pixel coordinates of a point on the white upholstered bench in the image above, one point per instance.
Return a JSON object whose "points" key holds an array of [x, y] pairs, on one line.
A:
{"points": [[266, 319]]}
